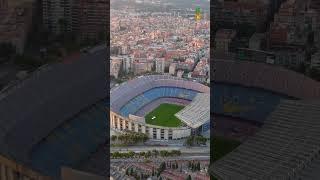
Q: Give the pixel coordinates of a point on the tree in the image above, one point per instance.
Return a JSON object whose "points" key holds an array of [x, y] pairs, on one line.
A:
{"points": [[155, 152], [131, 171], [7, 50], [131, 154], [198, 166], [189, 141], [114, 138], [189, 177], [148, 154], [314, 74]]}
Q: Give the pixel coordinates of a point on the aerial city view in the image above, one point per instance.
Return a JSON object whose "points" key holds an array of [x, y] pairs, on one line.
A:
{"points": [[266, 89], [160, 94]]}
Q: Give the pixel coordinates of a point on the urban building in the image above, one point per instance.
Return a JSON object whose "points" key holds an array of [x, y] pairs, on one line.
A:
{"points": [[16, 23], [90, 19], [230, 13], [172, 68], [141, 66], [126, 64], [160, 65], [3, 4], [86, 18], [315, 61], [57, 15], [115, 66], [223, 39], [180, 73], [256, 41]]}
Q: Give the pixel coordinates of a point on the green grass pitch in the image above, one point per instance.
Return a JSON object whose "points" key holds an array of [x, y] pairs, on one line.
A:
{"points": [[164, 115], [221, 146]]}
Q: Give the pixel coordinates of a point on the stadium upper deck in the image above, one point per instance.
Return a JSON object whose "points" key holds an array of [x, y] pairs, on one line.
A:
{"points": [[197, 112], [268, 77]]}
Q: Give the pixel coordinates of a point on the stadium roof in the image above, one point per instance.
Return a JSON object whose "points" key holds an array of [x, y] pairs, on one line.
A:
{"points": [[269, 77], [33, 108], [197, 112], [286, 146]]}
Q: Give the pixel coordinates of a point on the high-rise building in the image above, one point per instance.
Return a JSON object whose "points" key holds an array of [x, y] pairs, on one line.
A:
{"points": [[160, 65], [57, 15], [126, 64], [3, 4], [90, 19], [115, 66], [231, 13], [172, 68], [16, 23], [86, 18]]}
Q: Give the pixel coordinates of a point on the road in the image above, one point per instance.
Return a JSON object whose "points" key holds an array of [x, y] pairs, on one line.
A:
{"points": [[161, 159], [184, 150]]}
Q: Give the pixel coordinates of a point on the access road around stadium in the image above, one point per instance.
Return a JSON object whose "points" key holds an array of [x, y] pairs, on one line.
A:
{"points": [[183, 150]]}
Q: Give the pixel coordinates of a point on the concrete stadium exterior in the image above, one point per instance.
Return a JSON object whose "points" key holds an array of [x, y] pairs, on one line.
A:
{"points": [[124, 93]]}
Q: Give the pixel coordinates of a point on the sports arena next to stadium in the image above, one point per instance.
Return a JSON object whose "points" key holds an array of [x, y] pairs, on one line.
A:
{"points": [[132, 100]]}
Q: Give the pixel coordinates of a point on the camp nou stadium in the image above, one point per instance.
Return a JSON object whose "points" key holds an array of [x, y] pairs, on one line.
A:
{"points": [[55, 118], [285, 105], [162, 106]]}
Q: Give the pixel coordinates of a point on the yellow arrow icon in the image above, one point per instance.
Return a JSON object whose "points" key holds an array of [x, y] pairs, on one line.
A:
{"points": [[198, 16]]}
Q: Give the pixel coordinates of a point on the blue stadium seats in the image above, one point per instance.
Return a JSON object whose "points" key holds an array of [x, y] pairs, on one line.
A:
{"points": [[72, 142], [145, 98], [243, 102]]}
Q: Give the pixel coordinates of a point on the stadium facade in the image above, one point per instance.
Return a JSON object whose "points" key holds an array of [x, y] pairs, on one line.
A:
{"points": [[56, 117], [287, 145], [131, 100]]}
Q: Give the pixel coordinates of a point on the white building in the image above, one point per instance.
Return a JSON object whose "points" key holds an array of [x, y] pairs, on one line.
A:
{"points": [[126, 64], [180, 73], [115, 66], [172, 68], [160, 65]]}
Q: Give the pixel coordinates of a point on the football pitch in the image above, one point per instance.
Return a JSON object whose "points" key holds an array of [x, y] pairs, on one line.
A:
{"points": [[163, 115], [221, 146]]}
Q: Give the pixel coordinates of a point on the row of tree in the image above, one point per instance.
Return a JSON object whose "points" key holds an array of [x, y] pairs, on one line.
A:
{"points": [[194, 166], [195, 140], [130, 138], [148, 154]]}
